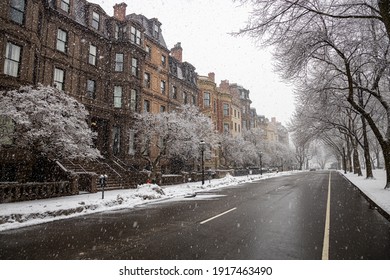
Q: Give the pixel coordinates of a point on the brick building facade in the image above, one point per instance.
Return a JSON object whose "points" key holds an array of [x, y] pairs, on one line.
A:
{"points": [[115, 65]]}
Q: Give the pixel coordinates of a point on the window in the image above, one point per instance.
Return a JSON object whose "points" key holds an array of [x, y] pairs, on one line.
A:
{"points": [[215, 106], [163, 60], [12, 60], [174, 92], [235, 127], [148, 51], [135, 35], [119, 62], [162, 109], [155, 31], [116, 140], [95, 20], [62, 40], [226, 109], [134, 67], [131, 142], [92, 54], [147, 80], [194, 99], [118, 32], [117, 97], [146, 106], [59, 78], [163, 87], [91, 89], [185, 97], [133, 100], [65, 5], [17, 8], [206, 99], [226, 127]]}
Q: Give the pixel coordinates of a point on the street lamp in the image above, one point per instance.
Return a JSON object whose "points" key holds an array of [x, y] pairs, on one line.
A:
{"points": [[202, 145]]}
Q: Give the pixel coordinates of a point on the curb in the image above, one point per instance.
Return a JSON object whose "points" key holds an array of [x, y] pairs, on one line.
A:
{"points": [[385, 214]]}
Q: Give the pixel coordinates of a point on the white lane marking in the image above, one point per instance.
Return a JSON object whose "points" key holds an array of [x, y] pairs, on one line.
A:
{"points": [[219, 215], [325, 248]]}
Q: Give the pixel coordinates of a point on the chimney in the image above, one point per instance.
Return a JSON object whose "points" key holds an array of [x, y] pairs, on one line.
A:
{"points": [[224, 85], [177, 52], [212, 76], [120, 11]]}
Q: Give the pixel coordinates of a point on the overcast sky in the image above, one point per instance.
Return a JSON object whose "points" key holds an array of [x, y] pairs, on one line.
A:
{"points": [[203, 27]]}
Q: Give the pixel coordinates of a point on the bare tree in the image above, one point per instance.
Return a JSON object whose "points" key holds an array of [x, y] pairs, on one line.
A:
{"points": [[338, 45]]}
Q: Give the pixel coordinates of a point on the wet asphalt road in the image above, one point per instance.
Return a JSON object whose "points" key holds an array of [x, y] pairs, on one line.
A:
{"points": [[281, 218]]}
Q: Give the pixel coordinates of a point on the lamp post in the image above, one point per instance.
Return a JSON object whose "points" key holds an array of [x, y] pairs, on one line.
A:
{"points": [[261, 164], [202, 145]]}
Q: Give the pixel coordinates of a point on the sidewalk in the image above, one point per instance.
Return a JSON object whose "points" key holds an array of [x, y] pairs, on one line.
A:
{"points": [[27, 213]]}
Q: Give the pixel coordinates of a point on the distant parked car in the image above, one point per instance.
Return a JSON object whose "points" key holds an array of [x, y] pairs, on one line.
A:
{"points": [[312, 169]]}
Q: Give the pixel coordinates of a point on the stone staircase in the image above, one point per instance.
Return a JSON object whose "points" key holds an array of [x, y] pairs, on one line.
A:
{"points": [[118, 176]]}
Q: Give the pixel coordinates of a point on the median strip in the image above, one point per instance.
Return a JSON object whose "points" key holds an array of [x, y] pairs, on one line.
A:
{"points": [[219, 215], [325, 248]]}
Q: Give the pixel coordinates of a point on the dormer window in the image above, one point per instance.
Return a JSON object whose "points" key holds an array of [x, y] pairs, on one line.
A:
{"points": [[95, 20], [65, 5], [155, 31]]}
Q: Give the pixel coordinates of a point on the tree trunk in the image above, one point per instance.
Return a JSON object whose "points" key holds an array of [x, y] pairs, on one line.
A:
{"points": [[356, 162], [386, 156], [366, 148], [349, 156], [344, 161], [378, 163]]}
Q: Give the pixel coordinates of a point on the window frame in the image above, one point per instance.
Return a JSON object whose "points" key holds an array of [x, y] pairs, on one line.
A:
{"points": [[226, 110], [163, 87], [62, 43], [147, 106], [14, 10], [59, 84], [92, 56], [174, 92], [12, 59], [135, 35], [147, 80], [206, 99], [119, 64], [134, 66], [118, 95], [65, 6], [95, 20], [133, 100], [91, 93]]}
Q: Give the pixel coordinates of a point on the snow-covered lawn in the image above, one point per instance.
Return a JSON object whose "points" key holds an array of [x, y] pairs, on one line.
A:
{"points": [[26, 213], [373, 188]]}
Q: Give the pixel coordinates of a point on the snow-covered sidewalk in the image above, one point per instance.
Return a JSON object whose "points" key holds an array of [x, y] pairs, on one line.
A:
{"points": [[373, 188], [26, 213]]}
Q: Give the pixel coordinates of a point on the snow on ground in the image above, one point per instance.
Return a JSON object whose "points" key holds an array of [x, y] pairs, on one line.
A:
{"points": [[26, 213], [373, 188]]}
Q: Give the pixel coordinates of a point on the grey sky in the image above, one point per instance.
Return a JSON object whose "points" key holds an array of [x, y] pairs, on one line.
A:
{"points": [[203, 27]]}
